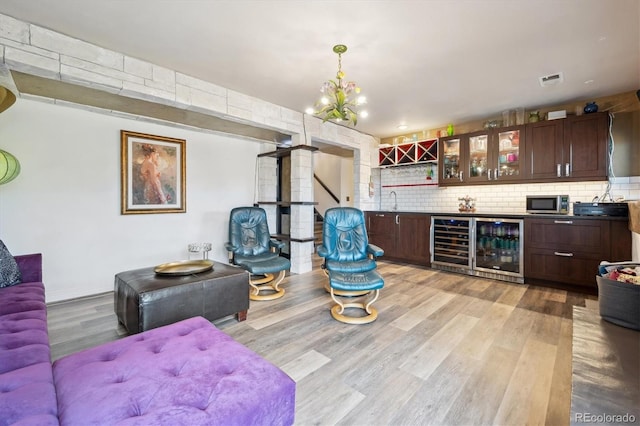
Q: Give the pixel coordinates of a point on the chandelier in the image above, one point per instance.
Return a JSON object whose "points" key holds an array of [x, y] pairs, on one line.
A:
{"points": [[340, 99]]}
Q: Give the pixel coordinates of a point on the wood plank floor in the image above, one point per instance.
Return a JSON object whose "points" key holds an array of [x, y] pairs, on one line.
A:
{"points": [[446, 349]]}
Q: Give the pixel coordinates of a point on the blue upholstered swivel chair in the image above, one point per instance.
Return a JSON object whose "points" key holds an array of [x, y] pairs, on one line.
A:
{"points": [[350, 262], [251, 247]]}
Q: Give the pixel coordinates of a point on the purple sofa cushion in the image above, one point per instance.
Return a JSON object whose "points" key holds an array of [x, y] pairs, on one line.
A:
{"points": [[30, 267], [27, 395], [184, 373]]}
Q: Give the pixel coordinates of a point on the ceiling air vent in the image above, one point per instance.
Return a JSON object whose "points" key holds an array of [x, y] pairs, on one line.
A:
{"points": [[551, 79]]}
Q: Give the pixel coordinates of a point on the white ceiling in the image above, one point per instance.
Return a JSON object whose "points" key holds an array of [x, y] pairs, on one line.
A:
{"points": [[426, 63]]}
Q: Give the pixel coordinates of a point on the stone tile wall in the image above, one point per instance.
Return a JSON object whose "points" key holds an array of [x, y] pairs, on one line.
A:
{"points": [[35, 50]]}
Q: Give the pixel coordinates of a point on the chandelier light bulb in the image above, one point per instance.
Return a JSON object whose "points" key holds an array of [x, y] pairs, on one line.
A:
{"points": [[324, 100], [361, 100], [364, 114], [310, 111]]}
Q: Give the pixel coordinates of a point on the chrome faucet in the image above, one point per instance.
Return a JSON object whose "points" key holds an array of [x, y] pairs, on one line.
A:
{"points": [[395, 200]]}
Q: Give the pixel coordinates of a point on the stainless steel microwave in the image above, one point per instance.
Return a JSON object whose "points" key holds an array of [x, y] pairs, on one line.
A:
{"points": [[549, 204]]}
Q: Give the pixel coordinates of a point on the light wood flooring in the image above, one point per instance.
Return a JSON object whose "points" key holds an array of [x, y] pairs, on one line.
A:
{"points": [[446, 349]]}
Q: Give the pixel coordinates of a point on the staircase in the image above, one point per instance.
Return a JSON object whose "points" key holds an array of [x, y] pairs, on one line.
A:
{"points": [[317, 228], [317, 234]]}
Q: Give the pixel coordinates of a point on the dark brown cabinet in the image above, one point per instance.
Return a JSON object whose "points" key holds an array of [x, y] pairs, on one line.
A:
{"points": [[585, 146], [381, 228], [571, 149], [569, 250], [484, 157], [543, 154], [412, 241], [404, 237], [495, 155]]}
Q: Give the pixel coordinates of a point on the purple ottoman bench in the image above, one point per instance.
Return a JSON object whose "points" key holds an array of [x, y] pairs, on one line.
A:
{"points": [[187, 373]]}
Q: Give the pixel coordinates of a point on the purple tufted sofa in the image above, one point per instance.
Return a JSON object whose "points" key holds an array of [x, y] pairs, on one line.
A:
{"points": [[186, 373]]}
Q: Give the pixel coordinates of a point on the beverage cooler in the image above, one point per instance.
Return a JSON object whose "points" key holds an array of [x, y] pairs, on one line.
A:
{"points": [[486, 247], [499, 248], [451, 243]]}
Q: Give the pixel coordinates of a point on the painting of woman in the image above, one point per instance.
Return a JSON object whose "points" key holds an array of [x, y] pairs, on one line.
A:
{"points": [[153, 174], [153, 192]]}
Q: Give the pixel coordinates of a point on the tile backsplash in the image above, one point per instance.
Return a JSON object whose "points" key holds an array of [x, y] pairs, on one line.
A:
{"points": [[414, 192]]}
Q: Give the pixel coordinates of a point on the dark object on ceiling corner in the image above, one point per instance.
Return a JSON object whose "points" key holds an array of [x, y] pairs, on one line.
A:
{"points": [[7, 98]]}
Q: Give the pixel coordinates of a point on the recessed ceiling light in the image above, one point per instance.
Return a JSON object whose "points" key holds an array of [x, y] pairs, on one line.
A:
{"points": [[402, 126], [588, 82], [310, 111]]}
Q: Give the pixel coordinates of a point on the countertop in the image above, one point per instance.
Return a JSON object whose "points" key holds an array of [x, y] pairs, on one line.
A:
{"points": [[502, 215]]}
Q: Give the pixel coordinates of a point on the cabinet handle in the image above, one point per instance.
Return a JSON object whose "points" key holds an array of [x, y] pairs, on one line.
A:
{"points": [[557, 253], [397, 220], [496, 174], [566, 170], [461, 172], [379, 215], [559, 170], [489, 174], [565, 222]]}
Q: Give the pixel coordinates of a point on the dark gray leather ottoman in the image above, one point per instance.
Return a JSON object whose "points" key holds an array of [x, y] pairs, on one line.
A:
{"points": [[144, 300]]}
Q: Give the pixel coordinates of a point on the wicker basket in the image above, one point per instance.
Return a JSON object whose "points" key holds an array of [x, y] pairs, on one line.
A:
{"points": [[619, 302]]}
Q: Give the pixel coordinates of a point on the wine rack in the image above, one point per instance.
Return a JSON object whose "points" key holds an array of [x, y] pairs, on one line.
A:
{"points": [[408, 153]]}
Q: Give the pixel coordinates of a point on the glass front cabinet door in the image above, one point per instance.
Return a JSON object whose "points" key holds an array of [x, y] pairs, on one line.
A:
{"points": [[450, 158], [479, 161], [494, 156], [510, 154]]}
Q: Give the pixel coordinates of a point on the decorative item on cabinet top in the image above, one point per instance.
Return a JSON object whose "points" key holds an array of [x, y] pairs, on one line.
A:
{"points": [[408, 153]]}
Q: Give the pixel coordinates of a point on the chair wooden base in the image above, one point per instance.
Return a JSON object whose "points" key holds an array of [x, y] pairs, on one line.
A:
{"points": [[337, 311], [266, 283]]}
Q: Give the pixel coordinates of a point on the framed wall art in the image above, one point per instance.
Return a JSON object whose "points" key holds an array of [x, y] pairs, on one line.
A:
{"points": [[153, 174]]}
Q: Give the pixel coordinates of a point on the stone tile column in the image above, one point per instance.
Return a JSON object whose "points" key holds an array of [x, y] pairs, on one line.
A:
{"points": [[268, 188], [302, 205]]}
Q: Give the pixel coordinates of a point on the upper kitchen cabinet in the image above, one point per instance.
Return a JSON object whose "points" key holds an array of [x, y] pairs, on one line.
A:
{"points": [[586, 141], [484, 157], [494, 155], [571, 149], [543, 154]]}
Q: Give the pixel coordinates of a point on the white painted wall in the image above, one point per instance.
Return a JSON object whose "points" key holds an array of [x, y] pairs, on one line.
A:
{"points": [[328, 168], [337, 173], [66, 202], [346, 182]]}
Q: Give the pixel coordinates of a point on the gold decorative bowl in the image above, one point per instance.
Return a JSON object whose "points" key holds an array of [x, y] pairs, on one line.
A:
{"points": [[184, 267]]}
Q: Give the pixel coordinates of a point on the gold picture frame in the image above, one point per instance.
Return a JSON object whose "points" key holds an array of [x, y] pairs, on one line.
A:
{"points": [[152, 173]]}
